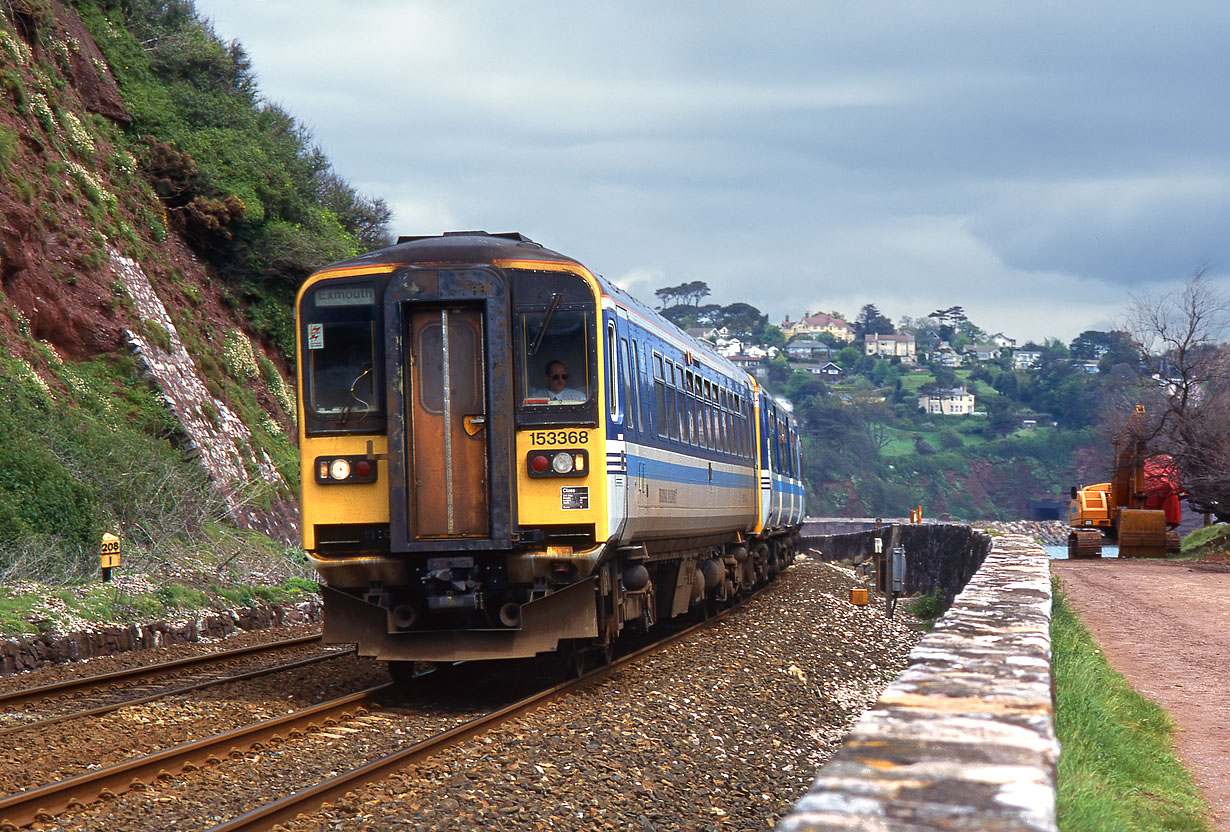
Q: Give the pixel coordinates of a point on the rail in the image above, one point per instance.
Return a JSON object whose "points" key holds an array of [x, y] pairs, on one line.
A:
{"points": [[17, 698], [287, 808]]}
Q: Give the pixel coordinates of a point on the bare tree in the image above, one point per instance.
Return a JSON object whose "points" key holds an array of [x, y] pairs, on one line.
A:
{"points": [[1187, 388]]}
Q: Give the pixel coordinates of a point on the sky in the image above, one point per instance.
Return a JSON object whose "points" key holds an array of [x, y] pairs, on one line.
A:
{"points": [[1040, 164]]}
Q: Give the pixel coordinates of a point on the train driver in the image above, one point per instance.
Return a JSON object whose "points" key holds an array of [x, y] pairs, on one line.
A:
{"points": [[555, 380]]}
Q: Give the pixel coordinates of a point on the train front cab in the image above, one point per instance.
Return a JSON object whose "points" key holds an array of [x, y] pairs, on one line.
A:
{"points": [[442, 531]]}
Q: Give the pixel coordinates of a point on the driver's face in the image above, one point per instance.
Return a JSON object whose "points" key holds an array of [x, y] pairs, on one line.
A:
{"points": [[557, 377]]}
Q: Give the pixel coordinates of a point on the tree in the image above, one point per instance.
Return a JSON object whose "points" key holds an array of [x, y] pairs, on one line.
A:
{"points": [[681, 315], [1182, 334], [871, 322], [670, 295], [709, 315], [848, 358], [744, 321], [685, 293]]}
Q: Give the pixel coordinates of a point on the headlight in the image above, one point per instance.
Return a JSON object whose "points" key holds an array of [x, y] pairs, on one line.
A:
{"points": [[562, 463], [339, 469]]}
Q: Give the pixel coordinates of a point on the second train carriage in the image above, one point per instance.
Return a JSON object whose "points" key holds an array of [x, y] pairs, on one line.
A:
{"points": [[503, 453]]}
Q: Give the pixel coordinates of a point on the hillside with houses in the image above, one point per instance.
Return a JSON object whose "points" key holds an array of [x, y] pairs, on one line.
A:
{"points": [[930, 411]]}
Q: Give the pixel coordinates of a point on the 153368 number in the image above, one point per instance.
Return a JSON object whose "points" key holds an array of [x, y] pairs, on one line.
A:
{"points": [[559, 437]]}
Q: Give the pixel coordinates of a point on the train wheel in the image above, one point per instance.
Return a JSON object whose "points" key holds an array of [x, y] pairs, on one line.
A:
{"points": [[572, 654]]}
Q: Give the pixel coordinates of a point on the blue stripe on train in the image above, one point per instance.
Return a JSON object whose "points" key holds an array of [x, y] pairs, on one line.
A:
{"points": [[658, 469]]}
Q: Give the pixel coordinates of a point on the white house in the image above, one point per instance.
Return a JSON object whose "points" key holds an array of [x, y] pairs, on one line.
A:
{"points": [[982, 352], [761, 352], [955, 402], [1026, 359], [888, 346], [946, 356]]}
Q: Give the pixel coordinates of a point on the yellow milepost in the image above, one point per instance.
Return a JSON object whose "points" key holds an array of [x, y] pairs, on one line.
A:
{"points": [[109, 555]]}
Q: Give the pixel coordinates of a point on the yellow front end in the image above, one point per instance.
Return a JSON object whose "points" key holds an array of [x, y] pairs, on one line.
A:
{"points": [[326, 504]]}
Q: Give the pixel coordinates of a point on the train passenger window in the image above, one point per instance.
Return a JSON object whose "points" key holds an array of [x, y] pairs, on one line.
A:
{"points": [[555, 358], [744, 429], [734, 424], [612, 371], [681, 406], [659, 392], [638, 401], [629, 409], [727, 424], [690, 404], [673, 418]]}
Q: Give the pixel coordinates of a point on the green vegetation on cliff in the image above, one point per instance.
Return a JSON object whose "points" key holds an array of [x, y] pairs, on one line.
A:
{"points": [[126, 126], [238, 175]]}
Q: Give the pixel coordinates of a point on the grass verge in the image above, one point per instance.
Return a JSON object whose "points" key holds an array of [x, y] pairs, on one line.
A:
{"points": [[1118, 771], [1211, 542]]}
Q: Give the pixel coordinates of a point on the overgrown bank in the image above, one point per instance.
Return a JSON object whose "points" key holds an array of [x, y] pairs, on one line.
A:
{"points": [[129, 130]]}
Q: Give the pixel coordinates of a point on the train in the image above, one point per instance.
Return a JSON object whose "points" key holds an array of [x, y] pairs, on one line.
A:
{"points": [[504, 454]]}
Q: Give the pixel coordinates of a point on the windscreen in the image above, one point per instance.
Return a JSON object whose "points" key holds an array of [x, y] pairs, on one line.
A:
{"points": [[554, 343], [556, 357], [340, 356]]}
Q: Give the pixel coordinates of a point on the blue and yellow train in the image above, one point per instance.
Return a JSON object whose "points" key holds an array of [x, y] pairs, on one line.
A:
{"points": [[504, 454]]}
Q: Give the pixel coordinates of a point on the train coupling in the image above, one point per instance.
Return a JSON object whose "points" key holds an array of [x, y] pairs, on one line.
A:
{"points": [[451, 583]]}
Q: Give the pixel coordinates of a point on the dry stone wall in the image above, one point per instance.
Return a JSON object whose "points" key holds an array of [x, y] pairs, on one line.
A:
{"points": [[31, 652], [964, 739], [215, 435]]}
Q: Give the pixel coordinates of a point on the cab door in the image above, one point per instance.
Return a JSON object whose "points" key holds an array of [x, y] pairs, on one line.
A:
{"points": [[446, 417]]}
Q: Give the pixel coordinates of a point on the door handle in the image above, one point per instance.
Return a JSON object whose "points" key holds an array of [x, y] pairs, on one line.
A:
{"points": [[473, 424]]}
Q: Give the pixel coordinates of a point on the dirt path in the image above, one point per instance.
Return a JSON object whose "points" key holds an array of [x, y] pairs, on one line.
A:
{"points": [[1166, 627]]}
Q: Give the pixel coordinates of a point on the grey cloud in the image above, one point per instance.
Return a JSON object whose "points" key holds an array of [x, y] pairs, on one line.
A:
{"points": [[883, 151]]}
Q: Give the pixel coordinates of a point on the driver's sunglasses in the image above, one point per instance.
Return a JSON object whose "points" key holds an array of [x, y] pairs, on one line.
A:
{"points": [[564, 376]]}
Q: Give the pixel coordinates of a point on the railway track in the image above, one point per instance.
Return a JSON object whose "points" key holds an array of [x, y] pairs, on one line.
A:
{"points": [[47, 802], [18, 698], [304, 801], [173, 691]]}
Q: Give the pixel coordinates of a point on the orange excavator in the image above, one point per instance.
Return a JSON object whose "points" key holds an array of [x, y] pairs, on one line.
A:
{"points": [[1139, 508]]}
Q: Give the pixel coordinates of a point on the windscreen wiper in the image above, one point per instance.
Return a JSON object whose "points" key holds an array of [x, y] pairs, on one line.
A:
{"points": [[546, 322], [352, 399]]}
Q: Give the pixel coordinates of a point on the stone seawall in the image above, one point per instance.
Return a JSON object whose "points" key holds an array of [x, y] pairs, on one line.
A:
{"points": [[30, 652], [964, 739], [939, 556]]}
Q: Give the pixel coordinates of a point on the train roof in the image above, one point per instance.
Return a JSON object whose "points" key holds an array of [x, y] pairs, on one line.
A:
{"points": [[477, 247], [473, 247]]}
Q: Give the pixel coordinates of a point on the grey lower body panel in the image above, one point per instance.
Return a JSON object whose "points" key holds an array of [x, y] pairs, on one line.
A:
{"points": [[566, 613]]}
